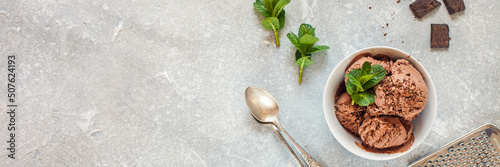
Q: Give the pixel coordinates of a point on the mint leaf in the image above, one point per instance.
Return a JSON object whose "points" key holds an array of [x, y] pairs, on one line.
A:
{"points": [[366, 68], [304, 62], [354, 81], [378, 73], [294, 39], [306, 29], [364, 98], [259, 5], [350, 88], [356, 73], [306, 42], [308, 39], [364, 79], [269, 6], [273, 3], [317, 48], [270, 23], [360, 80], [279, 6], [281, 18]]}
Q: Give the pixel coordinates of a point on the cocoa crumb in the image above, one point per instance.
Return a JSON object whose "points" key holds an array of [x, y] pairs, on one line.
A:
{"points": [[385, 34], [370, 7]]}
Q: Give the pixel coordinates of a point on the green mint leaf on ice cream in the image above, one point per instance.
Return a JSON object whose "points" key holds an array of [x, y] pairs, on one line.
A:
{"points": [[360, 80]]}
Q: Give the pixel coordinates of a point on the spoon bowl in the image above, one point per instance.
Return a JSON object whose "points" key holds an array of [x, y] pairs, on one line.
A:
{"points": [[262, 104]]}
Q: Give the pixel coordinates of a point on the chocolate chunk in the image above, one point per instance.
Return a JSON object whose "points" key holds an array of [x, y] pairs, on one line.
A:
{"points": [[439, 36], [454, 6], [419, 8]]}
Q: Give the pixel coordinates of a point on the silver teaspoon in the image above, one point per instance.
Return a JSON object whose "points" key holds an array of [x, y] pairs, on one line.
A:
{"points": [[265, 109]]}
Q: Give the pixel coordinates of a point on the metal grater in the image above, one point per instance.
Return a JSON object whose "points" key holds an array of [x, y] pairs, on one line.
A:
{"points": [[477, 148]]}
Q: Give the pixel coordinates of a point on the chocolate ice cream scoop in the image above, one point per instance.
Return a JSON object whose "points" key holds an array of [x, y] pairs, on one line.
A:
{"points": [[349, 116], [404, 93], [383, 61], [383, 132]]}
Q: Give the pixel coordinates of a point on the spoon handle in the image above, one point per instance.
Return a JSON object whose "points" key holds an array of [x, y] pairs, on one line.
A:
{"points": [[310, 161], [277, 131]]}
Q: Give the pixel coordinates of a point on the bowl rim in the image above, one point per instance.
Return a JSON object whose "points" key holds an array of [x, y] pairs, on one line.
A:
{"points": [[329, 112]]}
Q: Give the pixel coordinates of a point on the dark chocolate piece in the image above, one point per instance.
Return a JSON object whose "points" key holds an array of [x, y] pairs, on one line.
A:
{"points": [[454, 6], [440, 36], [419, 8]]}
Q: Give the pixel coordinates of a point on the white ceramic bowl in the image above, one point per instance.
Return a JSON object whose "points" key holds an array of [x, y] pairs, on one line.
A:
{"points": [[421, 125]]}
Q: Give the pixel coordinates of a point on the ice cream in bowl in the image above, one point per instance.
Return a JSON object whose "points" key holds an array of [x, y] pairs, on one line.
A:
{"points": [[379, 103]]}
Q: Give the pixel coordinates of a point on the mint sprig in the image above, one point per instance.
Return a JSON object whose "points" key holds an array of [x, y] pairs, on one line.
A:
{"points": [[360, 80], [274, 12], [304, 43]]}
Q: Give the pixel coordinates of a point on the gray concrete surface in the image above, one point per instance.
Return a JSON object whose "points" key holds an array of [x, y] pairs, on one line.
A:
{"points": [[161, 83]]}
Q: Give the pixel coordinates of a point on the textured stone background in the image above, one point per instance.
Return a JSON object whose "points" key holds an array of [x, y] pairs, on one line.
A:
{"points": [[161, 82]]}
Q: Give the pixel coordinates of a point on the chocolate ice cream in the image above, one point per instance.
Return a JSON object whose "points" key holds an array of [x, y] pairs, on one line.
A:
{"points": [[383, 132], [386, 134], [404, 93], [349, 116]]}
